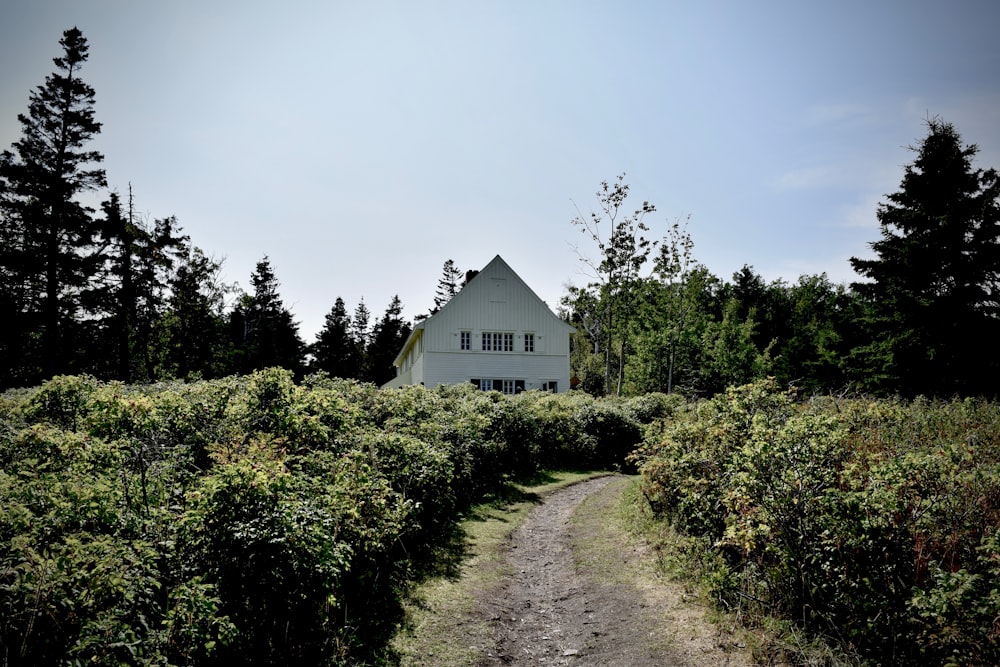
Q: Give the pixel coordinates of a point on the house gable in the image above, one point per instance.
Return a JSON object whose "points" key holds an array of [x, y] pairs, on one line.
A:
{"points": [[496, 327]]}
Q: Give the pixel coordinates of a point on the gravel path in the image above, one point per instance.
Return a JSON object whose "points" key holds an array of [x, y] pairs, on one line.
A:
{"points": [[551, 612]]}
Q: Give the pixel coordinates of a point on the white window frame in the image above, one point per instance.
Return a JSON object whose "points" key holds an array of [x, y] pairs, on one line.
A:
{"points": [[498, 341], [529, 342]]}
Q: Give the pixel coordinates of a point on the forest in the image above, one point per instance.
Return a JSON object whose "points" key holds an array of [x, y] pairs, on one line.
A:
{"points": [[115, 295]]}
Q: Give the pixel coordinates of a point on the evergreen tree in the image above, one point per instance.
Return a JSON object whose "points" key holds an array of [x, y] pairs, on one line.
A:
{"points": [[265, 334], [335, 350], [138, 263], [359, 330], [934, 284], [388, 336], [48, 234], [448, 285], [191, 336]]}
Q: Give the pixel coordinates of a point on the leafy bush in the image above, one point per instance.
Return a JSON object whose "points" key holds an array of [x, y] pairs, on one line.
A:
{"points": [[874, 523], [254, 520]]}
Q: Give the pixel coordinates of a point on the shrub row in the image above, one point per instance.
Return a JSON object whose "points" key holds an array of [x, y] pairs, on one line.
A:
{"points": [[254, 520], [873, 524]]}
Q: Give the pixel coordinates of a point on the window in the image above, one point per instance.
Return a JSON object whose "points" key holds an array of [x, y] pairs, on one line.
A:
{"points": [[529, 342], [495, 341], [501, 385], [465, 340]]}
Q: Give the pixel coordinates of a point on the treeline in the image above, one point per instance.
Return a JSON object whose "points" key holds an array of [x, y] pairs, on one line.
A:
{"points": [[924, 320], [116, 295], [253, 520]]}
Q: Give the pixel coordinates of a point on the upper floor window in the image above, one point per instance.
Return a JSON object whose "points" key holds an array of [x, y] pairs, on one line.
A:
{"points": [[465, 340], [496, 341], [529, 342]]}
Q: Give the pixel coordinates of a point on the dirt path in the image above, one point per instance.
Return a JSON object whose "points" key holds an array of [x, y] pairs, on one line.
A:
{"points": [[554, 609]]}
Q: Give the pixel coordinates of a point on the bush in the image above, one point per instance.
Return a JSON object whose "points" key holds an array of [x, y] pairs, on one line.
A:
{"points": [[872, 522], [254, 520]]}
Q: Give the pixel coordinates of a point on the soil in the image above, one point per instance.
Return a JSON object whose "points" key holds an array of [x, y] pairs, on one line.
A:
{"points": [[567, 602]]}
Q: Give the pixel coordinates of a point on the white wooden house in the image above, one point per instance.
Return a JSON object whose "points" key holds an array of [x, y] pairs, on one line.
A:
{"points": [[495, 333]]}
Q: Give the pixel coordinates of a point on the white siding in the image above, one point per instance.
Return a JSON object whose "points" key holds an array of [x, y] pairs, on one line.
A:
{"points": [[496, 300], [455, 368]]}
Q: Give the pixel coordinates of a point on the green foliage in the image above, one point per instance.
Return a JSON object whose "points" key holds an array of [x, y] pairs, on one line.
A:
{"points": [[255, 520], [870, 523], [933, 282], [60, 401]]}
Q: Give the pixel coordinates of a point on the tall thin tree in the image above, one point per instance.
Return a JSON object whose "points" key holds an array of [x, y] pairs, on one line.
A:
{"points": [[622, 251], [49, 230]]}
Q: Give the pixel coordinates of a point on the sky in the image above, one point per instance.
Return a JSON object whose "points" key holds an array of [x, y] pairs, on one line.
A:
{"points": [[360, 145]]}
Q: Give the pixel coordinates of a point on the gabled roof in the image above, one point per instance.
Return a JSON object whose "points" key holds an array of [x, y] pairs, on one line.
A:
{"points": [[495, 262]]}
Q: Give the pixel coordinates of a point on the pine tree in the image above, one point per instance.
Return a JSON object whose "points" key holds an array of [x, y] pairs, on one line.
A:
{"points": [[139, 261], [191, 335], [264, 330], [47, 233], [388, 336], [448, 285], [360, 334], [335, 350], [934, 286]]}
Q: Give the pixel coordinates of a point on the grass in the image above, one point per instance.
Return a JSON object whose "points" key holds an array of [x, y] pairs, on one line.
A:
{"points": [[444, 627], [691, 563]]}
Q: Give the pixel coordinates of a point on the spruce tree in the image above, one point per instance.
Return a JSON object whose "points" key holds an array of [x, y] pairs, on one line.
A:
{"points": [[47, 233], [138, 263], [448, 285], [265, 331], [388, 336], [191, 336], [934, 285], [335, 351]]}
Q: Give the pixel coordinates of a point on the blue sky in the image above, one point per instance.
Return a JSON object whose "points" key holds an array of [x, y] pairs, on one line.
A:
{"points": [[360, 145]]}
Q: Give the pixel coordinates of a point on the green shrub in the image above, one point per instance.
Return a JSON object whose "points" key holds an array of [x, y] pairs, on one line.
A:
{"points": [[874, 523], [254, 520]]}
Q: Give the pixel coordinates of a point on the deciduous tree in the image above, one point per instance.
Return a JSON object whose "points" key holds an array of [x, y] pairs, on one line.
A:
{"points": [[622, 250]]}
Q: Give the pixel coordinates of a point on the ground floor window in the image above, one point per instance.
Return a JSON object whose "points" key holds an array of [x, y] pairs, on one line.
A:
{"points": [[503, 385], [551, 385]]}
